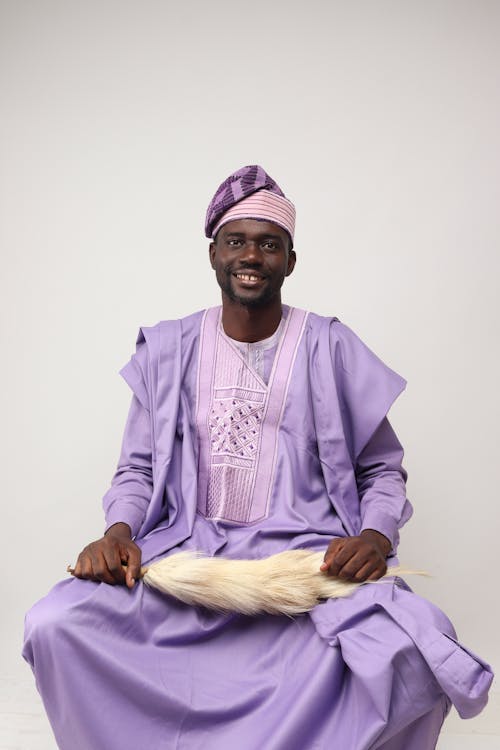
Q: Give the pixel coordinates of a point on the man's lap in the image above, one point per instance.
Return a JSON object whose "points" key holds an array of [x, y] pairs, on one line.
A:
{"points": [[267, 673]]}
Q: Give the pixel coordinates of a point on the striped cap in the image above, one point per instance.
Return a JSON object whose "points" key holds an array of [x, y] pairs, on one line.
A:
{"points": [[265, 206], [250, 193]]}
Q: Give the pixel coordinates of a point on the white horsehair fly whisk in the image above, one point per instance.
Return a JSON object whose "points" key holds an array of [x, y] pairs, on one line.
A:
{"points": [[287, 583]]}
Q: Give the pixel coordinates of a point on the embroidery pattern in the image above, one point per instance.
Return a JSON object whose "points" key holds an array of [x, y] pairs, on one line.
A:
{"points": [[235, 424], [238, 418], [235, 427]]}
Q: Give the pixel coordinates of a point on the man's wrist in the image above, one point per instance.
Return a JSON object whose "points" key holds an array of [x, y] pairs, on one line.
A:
{"points": [[119, 529], [380, 541]]}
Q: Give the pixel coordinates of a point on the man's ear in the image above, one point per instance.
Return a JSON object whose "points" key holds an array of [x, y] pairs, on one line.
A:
{"points": [[292, 259], [211, 253]]}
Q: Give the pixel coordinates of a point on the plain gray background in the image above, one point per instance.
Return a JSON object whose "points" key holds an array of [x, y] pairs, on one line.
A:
{"points": [[380, 120]]}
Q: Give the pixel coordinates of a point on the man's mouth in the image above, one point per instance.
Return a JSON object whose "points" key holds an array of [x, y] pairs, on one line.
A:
{"points": [[249, 278]]}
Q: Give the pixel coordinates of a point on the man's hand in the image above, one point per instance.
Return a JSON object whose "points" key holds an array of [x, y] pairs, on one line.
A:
{"points": [[357, 558], [103, 560]]}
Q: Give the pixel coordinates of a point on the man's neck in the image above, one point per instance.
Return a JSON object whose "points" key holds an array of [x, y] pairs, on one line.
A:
{"points": [[250, 324]]}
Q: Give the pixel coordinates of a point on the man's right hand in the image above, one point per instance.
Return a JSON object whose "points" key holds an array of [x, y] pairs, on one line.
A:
{"points": [[103, 560]]}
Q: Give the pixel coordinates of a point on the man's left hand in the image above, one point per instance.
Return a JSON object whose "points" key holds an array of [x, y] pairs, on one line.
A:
{"points": [[357, 558]]}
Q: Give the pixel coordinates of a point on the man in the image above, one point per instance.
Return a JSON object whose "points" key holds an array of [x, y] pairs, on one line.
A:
{"points": [[253, 428]]}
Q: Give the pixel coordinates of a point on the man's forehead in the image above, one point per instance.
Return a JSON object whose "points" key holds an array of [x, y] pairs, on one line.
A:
{"points": [[253, 227]]}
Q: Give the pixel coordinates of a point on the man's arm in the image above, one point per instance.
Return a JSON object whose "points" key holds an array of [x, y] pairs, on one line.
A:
{"points": [[381, 482], [125, 505]]}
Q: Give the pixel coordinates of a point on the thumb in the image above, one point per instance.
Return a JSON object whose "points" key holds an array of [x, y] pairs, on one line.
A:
{"points": [[133, 557]]}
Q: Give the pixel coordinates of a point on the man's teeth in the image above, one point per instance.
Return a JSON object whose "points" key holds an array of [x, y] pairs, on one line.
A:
{"points": [[247, 277]]}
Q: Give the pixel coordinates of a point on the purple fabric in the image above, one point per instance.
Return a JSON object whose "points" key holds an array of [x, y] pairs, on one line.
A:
{"points": [[238, 418], [126, 669], [121, 670], [349, 392], [237, 186]]}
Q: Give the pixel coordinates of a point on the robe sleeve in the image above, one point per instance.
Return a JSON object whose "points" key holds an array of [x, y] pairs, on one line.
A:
{"points": [[367, 390], [132, 485], [131, 489], [367, 386], [136, 371], [381, 481]]}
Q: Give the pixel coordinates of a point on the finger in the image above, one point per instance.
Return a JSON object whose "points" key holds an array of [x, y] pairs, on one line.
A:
{"points": [[333, 548], [113, 561], [77, 570], [353, 566], [364, 553], [331, 554], [133, 558], [378, 573], [341, 559], [364, 573], [83, 567], [100, 569]]}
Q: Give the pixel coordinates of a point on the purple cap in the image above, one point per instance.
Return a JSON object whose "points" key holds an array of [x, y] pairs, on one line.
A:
{"points": [[237, 186]]}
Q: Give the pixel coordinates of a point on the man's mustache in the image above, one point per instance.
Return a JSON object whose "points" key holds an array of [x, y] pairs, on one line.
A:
{"points": [[246, 269]]}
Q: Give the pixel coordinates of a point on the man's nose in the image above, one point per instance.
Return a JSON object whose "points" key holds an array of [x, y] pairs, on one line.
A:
{"points": [[252, 252]]}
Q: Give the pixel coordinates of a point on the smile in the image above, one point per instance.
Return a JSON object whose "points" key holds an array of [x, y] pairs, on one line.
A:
{"points": [[248, 277]]}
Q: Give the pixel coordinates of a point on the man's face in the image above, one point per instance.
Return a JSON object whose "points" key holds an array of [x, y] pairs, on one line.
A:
{"points": [[251, 259]]}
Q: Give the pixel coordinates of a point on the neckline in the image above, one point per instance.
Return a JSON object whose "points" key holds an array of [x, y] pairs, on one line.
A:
{"points": [[264, 344]]}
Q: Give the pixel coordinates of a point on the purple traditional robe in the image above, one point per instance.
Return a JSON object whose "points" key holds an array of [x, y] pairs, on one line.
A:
{"points": [[221, 458]]}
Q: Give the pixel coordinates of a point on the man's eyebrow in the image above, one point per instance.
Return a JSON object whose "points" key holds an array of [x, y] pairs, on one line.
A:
{"points": [[272, 236], [266, 235]]}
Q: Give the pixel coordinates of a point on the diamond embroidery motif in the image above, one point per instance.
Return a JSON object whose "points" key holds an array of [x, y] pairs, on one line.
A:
{"points": [[234, 427]]}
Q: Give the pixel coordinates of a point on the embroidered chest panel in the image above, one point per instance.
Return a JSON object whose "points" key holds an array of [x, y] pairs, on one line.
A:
{"points": [[238, 417]]}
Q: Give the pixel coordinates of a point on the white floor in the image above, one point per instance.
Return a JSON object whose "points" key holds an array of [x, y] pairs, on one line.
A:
{"points": [[23, 725]]}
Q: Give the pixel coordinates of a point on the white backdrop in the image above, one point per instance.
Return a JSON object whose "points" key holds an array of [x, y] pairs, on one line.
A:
{"points": [[379, 119]]}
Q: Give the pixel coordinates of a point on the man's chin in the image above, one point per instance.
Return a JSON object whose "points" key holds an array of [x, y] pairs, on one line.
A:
{"points": [[249, 300]]}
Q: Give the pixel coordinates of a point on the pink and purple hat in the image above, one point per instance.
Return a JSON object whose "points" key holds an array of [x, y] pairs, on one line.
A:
{"points": [[249, 193]]}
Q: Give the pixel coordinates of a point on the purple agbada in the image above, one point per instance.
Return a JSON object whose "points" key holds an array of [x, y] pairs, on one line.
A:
{"points": [[245, 461]]}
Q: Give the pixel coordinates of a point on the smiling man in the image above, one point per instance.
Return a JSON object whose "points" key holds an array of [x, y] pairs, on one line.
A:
{"points": [[254, 427], [267, 252]]}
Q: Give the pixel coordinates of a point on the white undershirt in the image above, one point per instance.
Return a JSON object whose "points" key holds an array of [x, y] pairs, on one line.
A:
{"points": [[257, 354]]}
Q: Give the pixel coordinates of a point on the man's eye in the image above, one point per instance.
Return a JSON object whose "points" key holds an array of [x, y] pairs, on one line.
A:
{"points": [[234, 243], [270, 245]]}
